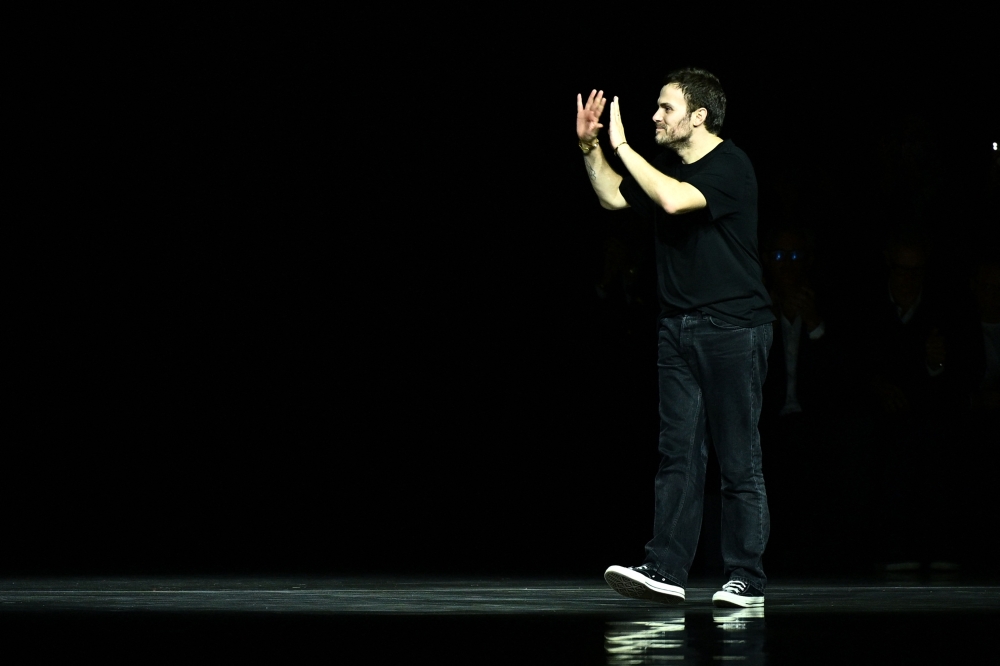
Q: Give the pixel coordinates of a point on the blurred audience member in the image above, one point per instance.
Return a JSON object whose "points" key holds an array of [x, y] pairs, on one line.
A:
{"points": [[908, 347], [974, 369], [905, 359], [796, 401], [626, 298], [619, 275], [978, 357], [796, 362]]}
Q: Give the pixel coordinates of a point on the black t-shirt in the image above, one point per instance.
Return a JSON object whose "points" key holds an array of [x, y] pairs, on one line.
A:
{"points": [[707, 260]]}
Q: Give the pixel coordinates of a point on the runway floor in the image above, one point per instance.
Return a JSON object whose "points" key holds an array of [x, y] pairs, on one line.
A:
{"points": [[502, 620]]}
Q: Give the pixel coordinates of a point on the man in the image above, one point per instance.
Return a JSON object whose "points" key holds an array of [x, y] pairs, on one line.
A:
{"points": [[714, 334], [975, 369], [901, 354], [800, 328], [798, 420]]}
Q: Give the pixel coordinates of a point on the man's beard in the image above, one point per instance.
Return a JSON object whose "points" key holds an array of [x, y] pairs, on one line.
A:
{"points": [[678, 139]]}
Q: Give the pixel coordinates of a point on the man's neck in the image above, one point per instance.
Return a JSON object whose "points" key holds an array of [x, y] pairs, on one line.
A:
{"points": [[701, 144]]}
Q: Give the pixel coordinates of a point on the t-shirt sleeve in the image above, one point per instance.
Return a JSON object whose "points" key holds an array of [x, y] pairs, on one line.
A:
{"points": [[636, 197], [723, 183]]}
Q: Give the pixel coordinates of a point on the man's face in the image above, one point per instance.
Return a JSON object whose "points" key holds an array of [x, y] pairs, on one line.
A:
{"points": [[786, 262], [673, 122]]}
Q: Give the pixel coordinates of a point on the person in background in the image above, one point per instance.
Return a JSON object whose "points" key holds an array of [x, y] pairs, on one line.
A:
{"points": [[902, 354], [974, 369], [796, 422]]}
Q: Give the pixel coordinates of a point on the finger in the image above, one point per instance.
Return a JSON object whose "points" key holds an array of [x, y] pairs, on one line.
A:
{"points": [[579, 102], [600, 97]]}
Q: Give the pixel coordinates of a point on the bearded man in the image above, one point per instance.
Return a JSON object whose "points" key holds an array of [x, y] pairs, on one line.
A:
{"points": [[714, 330]]}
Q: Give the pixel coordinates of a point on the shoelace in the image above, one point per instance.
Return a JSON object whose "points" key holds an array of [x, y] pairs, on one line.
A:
{"points": [[735, 586]]}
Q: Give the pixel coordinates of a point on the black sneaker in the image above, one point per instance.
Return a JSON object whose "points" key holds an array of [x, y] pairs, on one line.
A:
{"points": [[643, 582], [738, 593]]}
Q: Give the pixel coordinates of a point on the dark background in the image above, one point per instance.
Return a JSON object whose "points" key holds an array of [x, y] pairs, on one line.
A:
{"points": [[324, 297]]}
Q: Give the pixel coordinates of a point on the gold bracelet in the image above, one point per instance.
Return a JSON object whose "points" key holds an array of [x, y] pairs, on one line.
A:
{"points": [[623, 143], [587, 147]]}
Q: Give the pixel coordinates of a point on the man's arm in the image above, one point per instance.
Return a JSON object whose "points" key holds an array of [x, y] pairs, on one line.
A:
{"points": [[603, 178], [671, 195]]}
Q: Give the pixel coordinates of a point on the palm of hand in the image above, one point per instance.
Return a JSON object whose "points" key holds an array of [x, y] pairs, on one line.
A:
{"points": [[616, 132], [588, 116]]}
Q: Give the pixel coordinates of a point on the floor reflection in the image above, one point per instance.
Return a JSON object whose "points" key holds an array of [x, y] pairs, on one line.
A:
{"points": [[740, 634], [646, 641], [735, 634]]}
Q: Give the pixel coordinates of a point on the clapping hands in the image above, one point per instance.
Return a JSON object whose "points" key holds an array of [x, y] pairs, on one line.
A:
{"points": [[588, 116]]}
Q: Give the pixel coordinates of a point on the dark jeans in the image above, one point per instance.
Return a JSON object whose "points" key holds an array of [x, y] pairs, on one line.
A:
{"points": [[710, 375]]}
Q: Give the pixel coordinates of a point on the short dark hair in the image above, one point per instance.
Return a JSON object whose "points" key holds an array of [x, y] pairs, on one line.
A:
{"points": [[701, 89]]}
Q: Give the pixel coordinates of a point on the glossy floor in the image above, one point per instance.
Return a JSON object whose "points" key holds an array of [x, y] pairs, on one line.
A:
{"points": [[558, 621]]}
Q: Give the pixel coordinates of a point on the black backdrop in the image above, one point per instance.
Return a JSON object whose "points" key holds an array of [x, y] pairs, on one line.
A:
{"points": [[329, 304]]}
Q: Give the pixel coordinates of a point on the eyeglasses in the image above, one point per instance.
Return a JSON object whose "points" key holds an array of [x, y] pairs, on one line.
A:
{"points": [[787, 255]]}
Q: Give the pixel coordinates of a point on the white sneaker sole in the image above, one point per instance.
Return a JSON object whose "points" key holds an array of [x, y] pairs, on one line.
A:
{"points": [[730, 600], [634, 585]]}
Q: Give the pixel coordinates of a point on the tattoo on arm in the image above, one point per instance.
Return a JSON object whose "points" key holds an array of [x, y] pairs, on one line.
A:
{"points": [[593, 174]]}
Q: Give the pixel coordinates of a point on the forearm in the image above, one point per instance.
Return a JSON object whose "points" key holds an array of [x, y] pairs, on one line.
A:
{"points": [[669, 194], [604, 179]]}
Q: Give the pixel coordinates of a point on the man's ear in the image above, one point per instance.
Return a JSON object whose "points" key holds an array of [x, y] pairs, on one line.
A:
{"points": [[699, 116]]}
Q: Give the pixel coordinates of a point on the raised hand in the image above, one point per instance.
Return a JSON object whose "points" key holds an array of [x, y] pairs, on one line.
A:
{"points": [[616, 133], [588, 116]]}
